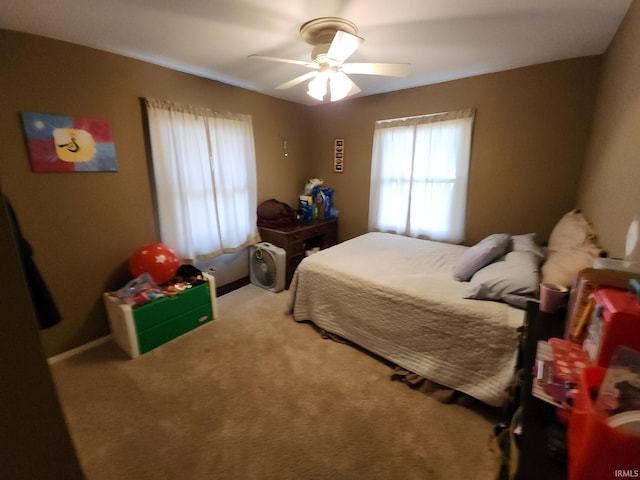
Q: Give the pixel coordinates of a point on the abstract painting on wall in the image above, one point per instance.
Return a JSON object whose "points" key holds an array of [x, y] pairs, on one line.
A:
{"points": [[61, 143]]}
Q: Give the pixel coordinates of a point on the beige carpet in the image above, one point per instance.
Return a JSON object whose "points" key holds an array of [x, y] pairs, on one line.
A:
{"points": [[256, 395]]}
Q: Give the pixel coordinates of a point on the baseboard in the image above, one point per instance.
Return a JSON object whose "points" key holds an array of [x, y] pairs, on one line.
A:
{"points": [[75, 351], [230, 287]]}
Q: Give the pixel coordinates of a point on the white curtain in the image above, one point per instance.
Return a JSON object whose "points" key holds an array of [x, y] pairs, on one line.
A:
{"points": [[419, 175], [204, 170]]}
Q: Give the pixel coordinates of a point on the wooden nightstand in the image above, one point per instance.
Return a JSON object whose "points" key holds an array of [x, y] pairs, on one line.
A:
{"points": [[296, 239]]}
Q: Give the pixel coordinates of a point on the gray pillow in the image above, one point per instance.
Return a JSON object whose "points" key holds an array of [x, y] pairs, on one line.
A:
{"points": [[480, 255], [513, 279], [527, 243]]}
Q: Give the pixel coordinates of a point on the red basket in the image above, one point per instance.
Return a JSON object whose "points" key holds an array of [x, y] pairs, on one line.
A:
{"points": [[597, 451]]}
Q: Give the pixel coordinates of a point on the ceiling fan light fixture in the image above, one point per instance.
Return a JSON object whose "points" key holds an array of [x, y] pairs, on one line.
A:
{"points": [[318, 86], [334, 40]]}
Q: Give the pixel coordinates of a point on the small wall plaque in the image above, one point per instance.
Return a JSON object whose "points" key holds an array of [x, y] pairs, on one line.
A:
{"points": [[338, 161]]}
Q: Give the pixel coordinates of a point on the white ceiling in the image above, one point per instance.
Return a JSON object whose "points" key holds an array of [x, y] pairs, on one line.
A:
{"points": [[441, 39]]}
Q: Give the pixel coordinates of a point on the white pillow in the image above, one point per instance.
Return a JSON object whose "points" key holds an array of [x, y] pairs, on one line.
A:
{"points": [[572, 247], [564, 266], [572, 231]]}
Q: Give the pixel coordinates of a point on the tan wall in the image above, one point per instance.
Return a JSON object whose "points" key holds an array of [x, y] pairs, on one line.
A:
{"points": [[84, 226], [529, 140], [610, 187]]}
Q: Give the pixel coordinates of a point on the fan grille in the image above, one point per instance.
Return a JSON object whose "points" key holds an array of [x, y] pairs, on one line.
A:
{"points": [[263, 267]]}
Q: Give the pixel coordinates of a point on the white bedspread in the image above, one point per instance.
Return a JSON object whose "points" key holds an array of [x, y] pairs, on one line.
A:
{"points": [[395, 296]]}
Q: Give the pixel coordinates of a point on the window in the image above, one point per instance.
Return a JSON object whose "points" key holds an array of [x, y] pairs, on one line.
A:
{"points": [[204, 170], [419, 175]]}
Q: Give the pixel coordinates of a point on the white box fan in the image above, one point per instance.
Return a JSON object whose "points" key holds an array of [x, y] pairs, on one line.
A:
{"points": [[267, 266]]}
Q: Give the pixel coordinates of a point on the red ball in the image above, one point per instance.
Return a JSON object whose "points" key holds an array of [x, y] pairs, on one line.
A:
{"points": [[157, 260]]}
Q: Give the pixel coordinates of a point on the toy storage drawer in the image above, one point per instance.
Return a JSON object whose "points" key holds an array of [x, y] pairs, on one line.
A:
{"points": [[163, 309], [170, 329]]}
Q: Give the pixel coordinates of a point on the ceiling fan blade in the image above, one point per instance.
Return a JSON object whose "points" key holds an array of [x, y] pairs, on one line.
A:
{"points": [[387, 69], [343, 45], [313, 65], [296, 80], [354, 89], [342, 86]]}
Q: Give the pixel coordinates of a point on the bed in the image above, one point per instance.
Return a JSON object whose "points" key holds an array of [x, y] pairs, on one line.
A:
{"points": [[396, 297], [447, 313]]}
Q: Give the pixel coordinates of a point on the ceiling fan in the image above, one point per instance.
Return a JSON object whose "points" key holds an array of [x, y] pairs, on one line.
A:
{"points": [[334, 40]]}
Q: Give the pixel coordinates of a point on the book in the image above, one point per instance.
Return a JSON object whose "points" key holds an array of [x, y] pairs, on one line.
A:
{"points": [[579, 299]]}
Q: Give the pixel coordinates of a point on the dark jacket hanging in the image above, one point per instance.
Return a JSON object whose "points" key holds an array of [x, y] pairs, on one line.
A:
{"points": [[46, 310]]}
